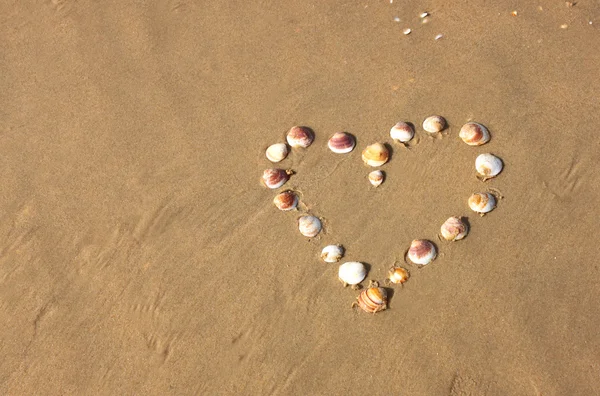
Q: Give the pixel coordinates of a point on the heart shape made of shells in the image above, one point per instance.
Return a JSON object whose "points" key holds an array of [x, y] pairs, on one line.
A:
{"points": [[421, 252]]}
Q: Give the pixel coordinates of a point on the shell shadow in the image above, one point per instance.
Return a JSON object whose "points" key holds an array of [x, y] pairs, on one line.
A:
{"points": [[390, 295], [390, 150]]}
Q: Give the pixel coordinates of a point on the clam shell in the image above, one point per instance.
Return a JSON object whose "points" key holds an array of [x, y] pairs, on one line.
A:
{"points": [[474, 134], [454, 229], [488, 165], [398, 275], [352, 273], [434, 124], [373, 299], [376, 177], [482, 202], [275, 178], [375, 155], [286, 200], [277, 152], [421, 251], [300, 136], [341, 143], [309, 226], [402, 132], [332, 253]]}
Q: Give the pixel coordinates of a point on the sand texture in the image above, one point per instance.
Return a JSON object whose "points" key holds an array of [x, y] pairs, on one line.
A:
{"points": [[140, 255]]}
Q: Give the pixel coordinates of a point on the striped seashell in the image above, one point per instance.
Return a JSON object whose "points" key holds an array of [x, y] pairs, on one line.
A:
{"points": [[488, 166], [373, 299], [421, 251], [434, 124], [402, 132], [454, 229], [398, 275], [309, 226], [300, 136], [376, 178], [482, 203], [274, 178], [474, 134], [341, 143], [286, 200], [375, 155]]}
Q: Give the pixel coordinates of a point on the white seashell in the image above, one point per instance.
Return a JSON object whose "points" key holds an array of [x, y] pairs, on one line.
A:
{"points": [[474, 134], [488, 166], [341, 143], [275, 178], [406, 31], [434, 124], [375, 155], [454, 229], [309, 226], [421, 251], [439, 36], [402, 132], [398, 275], [286, 200], [332, 253], [482, 202], [352, 273], [277, 152], [300, 136], [423, 14], [376, 177]]}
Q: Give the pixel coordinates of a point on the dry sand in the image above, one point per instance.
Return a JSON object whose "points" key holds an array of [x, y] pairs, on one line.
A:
{"points": [[140, 255]]}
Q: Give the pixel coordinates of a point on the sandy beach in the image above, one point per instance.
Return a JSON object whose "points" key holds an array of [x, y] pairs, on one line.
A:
{"points": [[140, 254]]}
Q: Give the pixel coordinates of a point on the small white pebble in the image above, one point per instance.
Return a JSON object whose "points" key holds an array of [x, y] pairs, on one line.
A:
{"points": [[590, 22], [439, 36], [396, 19], [564, 26], [423, 14], [406, 31]]}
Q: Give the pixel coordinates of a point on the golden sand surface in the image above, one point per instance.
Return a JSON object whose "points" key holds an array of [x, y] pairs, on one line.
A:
{"points": [[140, 255]]}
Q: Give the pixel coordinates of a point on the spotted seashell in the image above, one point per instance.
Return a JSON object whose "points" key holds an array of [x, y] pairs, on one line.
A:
{"points": [[300, 136], [286, 200], [488, 166], [402, 132], [454, 229], [373, 299], [341, 143], [376, 154], [434, 124], [274, 178], [332, 253], [421, 251], [352, 273], [474, 134], [398, 275], [376, 178], [482, 202], [309, 226]]}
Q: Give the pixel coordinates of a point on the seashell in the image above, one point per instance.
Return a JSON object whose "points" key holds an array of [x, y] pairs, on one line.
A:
{"points": [[406, 31], [434, 124], [376, 154], [402, 132], [454, 229], [488, 166], [474, 134], [398, 275], [332, 253], [421, 251], [373, 299], [277, 152], [482, 203], [352, 273], [341, 143], [309, 226], [286, 200], [275, 178], [300, 136], [376, 177]]}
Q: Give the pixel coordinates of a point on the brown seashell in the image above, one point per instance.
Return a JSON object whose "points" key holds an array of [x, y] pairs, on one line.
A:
{"points": [[275, 178], [482, 203], [434, 124], [376, 154], [454, 229], [286, 200], [300, 136], [341, 143], [398, 275], [422, 251], [474, 134], [373, 299]]}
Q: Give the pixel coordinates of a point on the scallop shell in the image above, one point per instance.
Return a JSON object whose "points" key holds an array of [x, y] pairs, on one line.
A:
{"points": [[454, 229], [286, 200], [402, 132], [488, 165], [300, 136], [421, 251], [341, 143], [434, 124], [274, 178], [375, 155], [474, 134], [373, 299], [482, 202], [332, 253], [309, 226], [352, 273], [277, 152], [376, 177], [398, 275]]}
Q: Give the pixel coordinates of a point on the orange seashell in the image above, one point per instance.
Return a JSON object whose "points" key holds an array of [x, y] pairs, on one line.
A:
{"points": [[474, 134], [286, 200], [398, 275], [373, 299], [376, 154]]}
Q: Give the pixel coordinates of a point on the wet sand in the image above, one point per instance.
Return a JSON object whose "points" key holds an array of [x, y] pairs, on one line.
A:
{"points": [[141, 255]]}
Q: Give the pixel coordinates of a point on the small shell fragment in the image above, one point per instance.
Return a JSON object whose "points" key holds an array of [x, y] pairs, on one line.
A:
{"points": [[341, 143], [454, 229], [398, 275], [482, 202], [488, 166], [423, 14], [406, 31], [286, 200], [474, 134], [277, 152], [434, 124], [402, 132], [373, 299], [375, 155], [300, 136], [309, 226], [376, 178], [439, 36], [514, 13], [352, 273], [274, 178], [332, 253], [421, 252]]}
